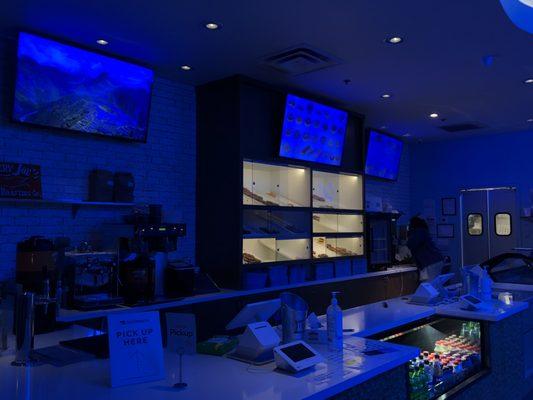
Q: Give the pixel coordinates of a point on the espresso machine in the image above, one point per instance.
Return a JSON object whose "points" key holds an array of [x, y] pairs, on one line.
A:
{"points": [[143, 260]]}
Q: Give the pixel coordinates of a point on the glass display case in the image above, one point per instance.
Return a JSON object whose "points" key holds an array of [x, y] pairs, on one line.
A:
{"points": [[275, 185], [451, 353], [264, 250], [337, 223], [328, 247], [282, 224], [337, 191]]}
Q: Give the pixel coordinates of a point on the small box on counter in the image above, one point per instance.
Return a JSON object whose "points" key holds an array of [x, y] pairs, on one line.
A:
{"points": [[101, 185], [124, 186]]}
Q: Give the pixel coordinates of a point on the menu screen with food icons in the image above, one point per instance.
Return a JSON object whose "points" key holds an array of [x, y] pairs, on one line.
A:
{"points": [[312, 131]]}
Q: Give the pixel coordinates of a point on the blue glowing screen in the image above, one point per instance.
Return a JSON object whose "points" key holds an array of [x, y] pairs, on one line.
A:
{"points": [[383, 156], [66, 87], [312, 131]]}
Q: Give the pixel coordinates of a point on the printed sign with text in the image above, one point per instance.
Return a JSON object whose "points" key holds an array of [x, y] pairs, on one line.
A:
{"points": [[181, 333], [135, 348]]}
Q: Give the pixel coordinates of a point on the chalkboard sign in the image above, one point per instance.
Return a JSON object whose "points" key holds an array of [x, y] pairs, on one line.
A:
{"points": [[20, 181]]}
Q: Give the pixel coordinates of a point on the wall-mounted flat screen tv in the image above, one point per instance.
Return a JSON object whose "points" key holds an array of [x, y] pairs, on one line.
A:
{"points": [[312, 131], [65, 87], [383, 155]]}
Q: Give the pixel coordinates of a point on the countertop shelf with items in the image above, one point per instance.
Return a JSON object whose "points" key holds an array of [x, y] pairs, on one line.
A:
{"points": [[74, 203], [67, 315], [413, 341]]}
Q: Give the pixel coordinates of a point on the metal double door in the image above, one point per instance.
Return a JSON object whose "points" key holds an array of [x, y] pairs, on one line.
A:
{"points": [[489, 223]]}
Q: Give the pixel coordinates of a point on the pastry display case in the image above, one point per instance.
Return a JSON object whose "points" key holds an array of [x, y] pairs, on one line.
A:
{"points": [[337, 223], [451, 354], [275, 185], [266, 250], [282, 224], [337, 191], [329, 247]]}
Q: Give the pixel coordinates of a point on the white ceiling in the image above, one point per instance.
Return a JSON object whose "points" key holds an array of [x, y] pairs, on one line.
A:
{"points": [[438, 68]]}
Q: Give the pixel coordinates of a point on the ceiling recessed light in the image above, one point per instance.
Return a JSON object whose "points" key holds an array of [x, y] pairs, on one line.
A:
{"points": [[530, 120], [433, 115], [406, 134], [186, 67], [383, 127], [386, 96], [212, 26], [102, 42], [528, 81], [394, 40]]}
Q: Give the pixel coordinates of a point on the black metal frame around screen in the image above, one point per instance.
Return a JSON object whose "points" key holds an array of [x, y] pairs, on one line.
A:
{"points": [[66, 130], [367, 143]]}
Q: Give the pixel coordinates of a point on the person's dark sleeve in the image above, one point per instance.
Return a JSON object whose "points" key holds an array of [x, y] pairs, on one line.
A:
{"points": [[416, 239]]}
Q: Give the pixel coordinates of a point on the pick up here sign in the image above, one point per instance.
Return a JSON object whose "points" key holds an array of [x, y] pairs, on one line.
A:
{"points": [[135, 348]]}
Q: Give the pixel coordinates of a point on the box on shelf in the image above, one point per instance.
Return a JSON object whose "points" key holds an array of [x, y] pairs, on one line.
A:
{"points": [[254, 280], [124, 186], [337, 191], [275, 185], [101, 183], [359, 266], [297, 274], [324, 271], [343, 268], [278, 276], [337, 223]]}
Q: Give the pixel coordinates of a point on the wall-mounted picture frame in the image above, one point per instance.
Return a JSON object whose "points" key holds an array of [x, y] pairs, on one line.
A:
{"points": [[445, 231], [449, 206]]}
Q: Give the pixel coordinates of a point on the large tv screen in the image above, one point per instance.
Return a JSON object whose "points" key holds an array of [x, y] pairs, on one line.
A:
{"points": [[383, 155], [62, 86], [312, 131]]}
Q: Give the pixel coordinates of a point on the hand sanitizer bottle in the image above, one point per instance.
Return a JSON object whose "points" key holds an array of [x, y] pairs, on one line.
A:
{"points": [[334, 321]]}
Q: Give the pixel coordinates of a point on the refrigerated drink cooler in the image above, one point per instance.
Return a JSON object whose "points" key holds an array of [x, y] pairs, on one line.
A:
{"points": [[451, 356]]}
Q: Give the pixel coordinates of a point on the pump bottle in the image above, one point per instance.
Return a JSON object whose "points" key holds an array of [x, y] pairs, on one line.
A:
{"points": [[334, 324]]}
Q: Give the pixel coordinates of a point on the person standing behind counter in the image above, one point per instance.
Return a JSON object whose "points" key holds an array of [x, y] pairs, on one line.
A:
{"points": [[428, 258]]}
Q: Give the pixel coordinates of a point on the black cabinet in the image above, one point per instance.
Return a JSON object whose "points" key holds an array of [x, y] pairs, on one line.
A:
{"points": [[239, 125]]}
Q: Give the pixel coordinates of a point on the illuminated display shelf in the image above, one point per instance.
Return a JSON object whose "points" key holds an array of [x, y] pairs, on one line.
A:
{"points": [[337, 223], [337, 191], [283, 222], [268, 250], [336, 246], [275, 185]]}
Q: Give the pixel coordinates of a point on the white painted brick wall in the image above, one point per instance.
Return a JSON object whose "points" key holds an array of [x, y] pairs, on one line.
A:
{"points": [[395, 193], [164, 170]]}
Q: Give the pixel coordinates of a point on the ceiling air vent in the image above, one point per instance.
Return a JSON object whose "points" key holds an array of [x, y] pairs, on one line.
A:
{"points": [[467, 126], [300, 59]]}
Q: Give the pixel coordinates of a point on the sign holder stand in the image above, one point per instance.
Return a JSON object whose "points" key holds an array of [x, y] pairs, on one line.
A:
{"points": [[180, 385]]}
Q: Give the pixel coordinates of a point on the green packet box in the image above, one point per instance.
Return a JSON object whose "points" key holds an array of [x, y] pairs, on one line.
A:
{"points": [[217, 345]]}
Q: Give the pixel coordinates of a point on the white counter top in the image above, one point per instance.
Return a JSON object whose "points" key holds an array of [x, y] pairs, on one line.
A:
{"points": [[382, 316], [496, 311], [75, 315], [208, 377]]}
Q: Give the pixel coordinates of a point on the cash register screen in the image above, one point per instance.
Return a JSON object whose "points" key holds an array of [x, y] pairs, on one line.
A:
{"points": [[297, 352]]}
